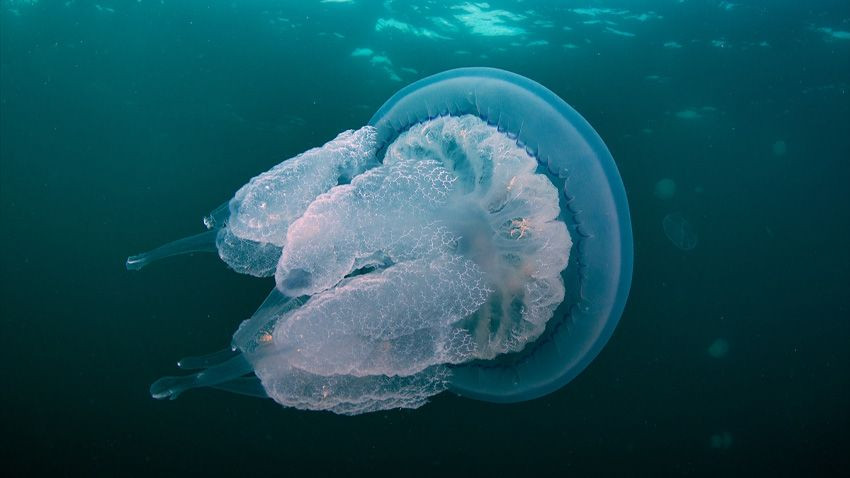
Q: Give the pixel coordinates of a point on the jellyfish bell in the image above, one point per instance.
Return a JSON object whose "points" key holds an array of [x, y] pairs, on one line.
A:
{"points": [[592, 203], [474, 237]]}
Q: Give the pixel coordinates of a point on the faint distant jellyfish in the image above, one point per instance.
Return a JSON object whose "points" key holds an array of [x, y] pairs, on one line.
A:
{"points": [[665, 188], [718, 349], [779, 148], [688, 114], [679, 231], [721, 441], [474, 237]]}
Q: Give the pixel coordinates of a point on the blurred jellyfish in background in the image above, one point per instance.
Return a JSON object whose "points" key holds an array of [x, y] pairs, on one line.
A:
{"points": [[665, 188], [718, 349], [721, 441], [779, 148], [679, 231]]}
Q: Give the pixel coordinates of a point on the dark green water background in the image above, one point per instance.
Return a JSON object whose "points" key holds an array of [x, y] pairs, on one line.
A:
{"points": [[123, 123]]}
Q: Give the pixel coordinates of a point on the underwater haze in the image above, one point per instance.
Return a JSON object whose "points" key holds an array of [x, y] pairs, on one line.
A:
{"points": [[124, 123]]}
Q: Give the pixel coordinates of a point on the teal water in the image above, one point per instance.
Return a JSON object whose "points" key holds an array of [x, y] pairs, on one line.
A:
{"points": [[123, 123]]}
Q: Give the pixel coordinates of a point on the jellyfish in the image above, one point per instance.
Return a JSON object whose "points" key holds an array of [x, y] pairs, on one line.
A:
{"points": [[473, 238], [665, 188], [779, 148], [680, 232], [718, 349], [721, 441]]}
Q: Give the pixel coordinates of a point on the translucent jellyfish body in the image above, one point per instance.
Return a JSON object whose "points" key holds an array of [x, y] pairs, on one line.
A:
{"points": [[474, 237], [680, 232]]}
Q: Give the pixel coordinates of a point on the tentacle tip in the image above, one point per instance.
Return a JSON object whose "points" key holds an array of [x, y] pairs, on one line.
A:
{"points": [[162, 395], [135, 263], [166, 388]]}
